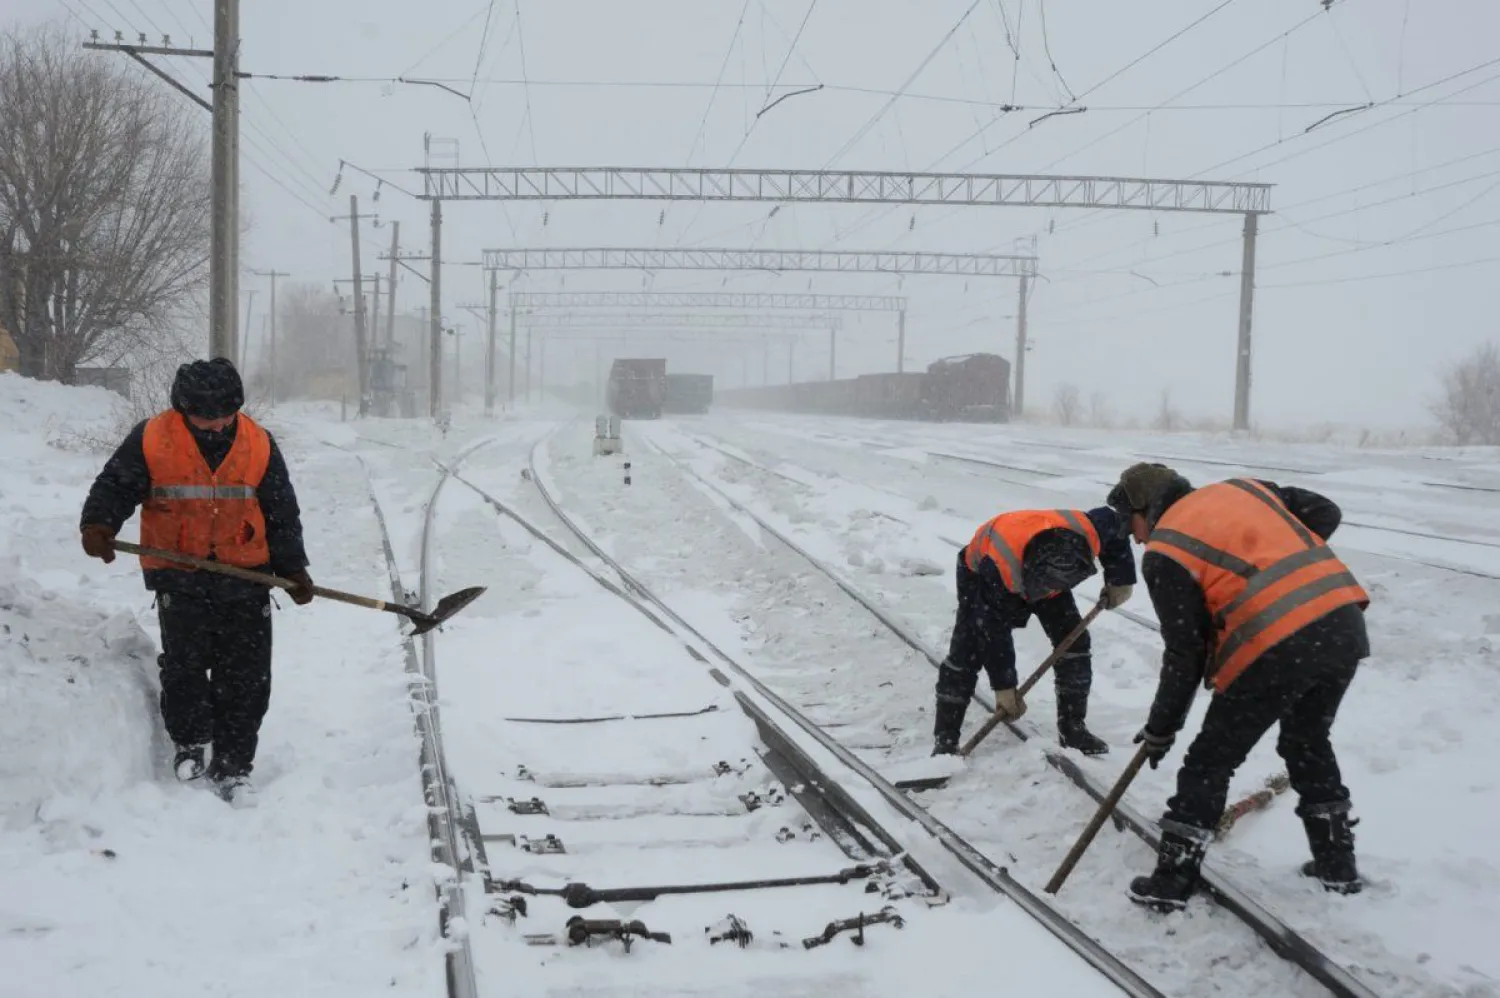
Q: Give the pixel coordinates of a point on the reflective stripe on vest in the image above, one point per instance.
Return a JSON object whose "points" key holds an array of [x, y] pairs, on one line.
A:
{"points": [[200, 511], [203, 492], [1263, 574], [1003, 539]]}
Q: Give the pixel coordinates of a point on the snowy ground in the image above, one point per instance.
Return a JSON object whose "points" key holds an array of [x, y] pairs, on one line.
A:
{"points": [[114, 880], [1410, 731]]}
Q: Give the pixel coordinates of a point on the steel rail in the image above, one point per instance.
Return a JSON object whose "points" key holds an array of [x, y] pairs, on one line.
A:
{"points": [[994, 876]]}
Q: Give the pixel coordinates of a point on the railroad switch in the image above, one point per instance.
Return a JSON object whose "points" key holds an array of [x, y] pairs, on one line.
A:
{"points": [[547, 844], [583, 931], [533, 806], [886, 915]]}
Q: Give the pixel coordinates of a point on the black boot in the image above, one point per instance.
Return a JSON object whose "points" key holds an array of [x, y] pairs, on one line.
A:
{"points": [[948, 723], [1176, 874], [1072, 708], [1330, 835], [187, 764]]}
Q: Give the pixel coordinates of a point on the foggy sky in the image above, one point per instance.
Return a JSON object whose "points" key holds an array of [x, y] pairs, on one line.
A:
{"points": [[1354, 314]]}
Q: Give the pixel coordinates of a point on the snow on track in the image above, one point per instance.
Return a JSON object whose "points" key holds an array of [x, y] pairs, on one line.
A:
{"points": [[528, 652], [1413, 736]]}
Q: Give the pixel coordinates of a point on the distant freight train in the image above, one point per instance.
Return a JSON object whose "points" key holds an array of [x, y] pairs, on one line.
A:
{"points": [[973, 388], [636, 388]]}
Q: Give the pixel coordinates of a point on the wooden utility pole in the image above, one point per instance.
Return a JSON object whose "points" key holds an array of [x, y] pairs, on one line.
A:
{"points": [[244, 344], [272, 274]]}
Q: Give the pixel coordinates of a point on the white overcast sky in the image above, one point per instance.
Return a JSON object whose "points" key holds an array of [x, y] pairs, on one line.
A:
{"points": [[1375, 269]]}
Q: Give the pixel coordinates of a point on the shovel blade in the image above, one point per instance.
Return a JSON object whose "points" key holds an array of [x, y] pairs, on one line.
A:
{"points": [[446, 607]]}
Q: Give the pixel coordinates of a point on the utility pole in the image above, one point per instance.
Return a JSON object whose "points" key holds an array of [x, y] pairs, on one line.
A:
{"points": [[434, 388], [244, 344], [390, 294], [1247, 302], [489, 357], [374, 329], [224, 255], [273, 273], [901, 341], [359, 308], [1019, 403], [833, 352], [510, 394]]}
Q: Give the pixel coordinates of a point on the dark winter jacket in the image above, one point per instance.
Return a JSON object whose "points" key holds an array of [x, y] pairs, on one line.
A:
{"points": [[1060, 559], [1187, 630], [125, 483]]}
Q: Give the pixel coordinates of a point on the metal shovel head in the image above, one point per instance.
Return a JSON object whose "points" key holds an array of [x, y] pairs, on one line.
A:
{"points": [[447, 607]]}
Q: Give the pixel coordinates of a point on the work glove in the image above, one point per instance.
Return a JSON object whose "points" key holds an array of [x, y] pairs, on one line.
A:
{"points": [[1157, 746], [1011, 703], [98, 542], [302, 594], [1114, 596]]}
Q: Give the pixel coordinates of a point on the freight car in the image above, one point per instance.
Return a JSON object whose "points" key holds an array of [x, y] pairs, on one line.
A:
{"points": [[688, 393], [636, 388], [969, 388]]}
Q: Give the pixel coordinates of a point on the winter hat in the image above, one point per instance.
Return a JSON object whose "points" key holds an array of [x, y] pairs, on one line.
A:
{"points": [[1141, 485], [209, 389]]}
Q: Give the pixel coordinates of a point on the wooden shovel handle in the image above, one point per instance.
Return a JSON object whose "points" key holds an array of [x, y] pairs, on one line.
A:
{"points": [[250, 575], [1096, 822]]}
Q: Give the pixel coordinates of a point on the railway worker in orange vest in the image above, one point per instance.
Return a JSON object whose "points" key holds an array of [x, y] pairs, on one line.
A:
{"points": [[1253, 603], [210, 483], [1018, 564]]}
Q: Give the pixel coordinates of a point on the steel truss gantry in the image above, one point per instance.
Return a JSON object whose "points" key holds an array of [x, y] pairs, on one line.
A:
{"points": [[524, 300], [858, 262], [621, 183], [1251, 200]]}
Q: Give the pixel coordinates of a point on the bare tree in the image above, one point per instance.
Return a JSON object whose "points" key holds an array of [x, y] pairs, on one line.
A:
{"points": [[1100, 413], [1067, 404], [315, 344], [104, 204], [1469, 408]]}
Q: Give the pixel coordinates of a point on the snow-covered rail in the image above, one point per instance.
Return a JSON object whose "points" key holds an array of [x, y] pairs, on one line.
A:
{"points": [[445, 817], [844, 790], [1281, 938]]}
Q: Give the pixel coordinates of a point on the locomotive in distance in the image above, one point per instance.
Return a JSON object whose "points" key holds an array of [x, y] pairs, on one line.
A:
{"points": [[971, 388]]}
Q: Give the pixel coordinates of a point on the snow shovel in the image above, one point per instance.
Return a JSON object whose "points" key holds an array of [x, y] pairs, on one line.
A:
{"points": [[1096, 822], [447, 606]]}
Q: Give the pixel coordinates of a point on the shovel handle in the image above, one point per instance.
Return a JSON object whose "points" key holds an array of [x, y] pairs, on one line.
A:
{"points": [[1096, 822], [261, 578], [994, 720]]}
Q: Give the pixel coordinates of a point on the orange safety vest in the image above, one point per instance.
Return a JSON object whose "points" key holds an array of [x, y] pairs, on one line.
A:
{"points": [[205, 513], [1264, 575], [1003, 539]]}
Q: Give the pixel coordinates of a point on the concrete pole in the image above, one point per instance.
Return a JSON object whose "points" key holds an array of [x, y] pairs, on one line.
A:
{"points": [[833, 348], [223, 295], [901, 341], [489, 353], [390, 291], [1247, 307], [435, 379], [510, 394], [361, 355], [1018, 404]]}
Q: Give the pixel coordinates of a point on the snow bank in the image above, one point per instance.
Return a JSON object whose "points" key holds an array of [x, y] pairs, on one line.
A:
{"points": [[78, 694]]}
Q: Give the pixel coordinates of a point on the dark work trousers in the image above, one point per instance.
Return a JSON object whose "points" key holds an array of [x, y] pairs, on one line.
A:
{"points": [[216, 675], [987, 613], [1299, 683]]}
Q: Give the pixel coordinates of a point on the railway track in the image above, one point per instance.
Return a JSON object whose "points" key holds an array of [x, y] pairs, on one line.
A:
{"points": [[867, 825], [1282, 939]]}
